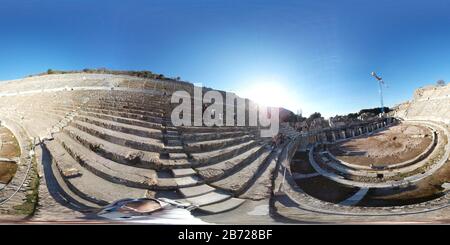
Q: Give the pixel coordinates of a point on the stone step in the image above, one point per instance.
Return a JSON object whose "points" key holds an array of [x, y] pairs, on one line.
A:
{"points": [[39, 127], [224, 206], [172, 133], [35, 128], [54, 185], [211, 157], [144, 102], [129, 121], [175, 142], [174, 149], [155, 107], [150, 107], [261, 186], [183, 172], [221, 169], [196, 190], [120, 173], [63, 108], [175, 163], [87, 185], [208, 198], [121, 127], [60, 112], [44, 112], [171, 137], [197, 137], [171, 129], [129, 140], [125, 110], [203, 129], [48, 118], [237, 182], [114, 152], [155, 110], [215, 144], [107, 169], [125, 114], [141, 99], [177, 156], [188, 181]]}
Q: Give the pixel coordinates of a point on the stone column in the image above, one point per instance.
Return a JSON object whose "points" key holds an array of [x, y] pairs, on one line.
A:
{"points": [[353, 132], [324, 137], [333, 136], [343, 134]]}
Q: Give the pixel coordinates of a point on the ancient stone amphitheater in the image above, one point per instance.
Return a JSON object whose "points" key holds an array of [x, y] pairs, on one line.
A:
{"points": [[80, 141]]}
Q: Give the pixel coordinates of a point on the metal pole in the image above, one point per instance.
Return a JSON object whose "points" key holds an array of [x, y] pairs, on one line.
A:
{"points": [[381, 96], [380, 83]]}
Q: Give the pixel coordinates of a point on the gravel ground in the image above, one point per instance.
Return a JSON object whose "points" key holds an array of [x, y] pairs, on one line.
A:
{"points": [[397, 144]]}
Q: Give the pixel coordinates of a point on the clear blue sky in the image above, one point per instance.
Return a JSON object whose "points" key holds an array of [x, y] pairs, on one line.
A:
{"points": [[322, 51]]}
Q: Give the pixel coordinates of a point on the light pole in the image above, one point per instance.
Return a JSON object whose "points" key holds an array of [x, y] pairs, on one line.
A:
{"points": [[380, 83]]}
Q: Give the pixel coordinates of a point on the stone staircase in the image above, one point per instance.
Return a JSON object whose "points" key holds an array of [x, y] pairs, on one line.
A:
{"points": [[112, 144]]}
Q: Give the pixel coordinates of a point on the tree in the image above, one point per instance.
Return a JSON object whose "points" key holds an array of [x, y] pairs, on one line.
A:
{"points": [[440, 82], [50, 71], [315, 115], [352, 115], [375, 111], [292, 117]]}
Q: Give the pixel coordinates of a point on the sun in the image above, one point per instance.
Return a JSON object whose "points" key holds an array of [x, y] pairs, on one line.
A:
{"points": [[270, 93]]}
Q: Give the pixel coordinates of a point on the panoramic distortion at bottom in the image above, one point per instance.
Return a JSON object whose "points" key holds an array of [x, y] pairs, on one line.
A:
{"points": [[225, 119]]}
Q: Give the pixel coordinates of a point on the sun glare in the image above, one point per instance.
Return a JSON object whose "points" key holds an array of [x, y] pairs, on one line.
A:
{"points": [[270, 94]]}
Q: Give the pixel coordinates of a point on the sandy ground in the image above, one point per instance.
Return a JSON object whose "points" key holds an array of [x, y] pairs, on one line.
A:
{"points": [[394, 145], [426, 189], [7, 171], [9, 148]]}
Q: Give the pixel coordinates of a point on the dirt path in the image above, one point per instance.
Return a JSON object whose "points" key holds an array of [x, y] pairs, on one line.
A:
{"points": [[394, 145]]}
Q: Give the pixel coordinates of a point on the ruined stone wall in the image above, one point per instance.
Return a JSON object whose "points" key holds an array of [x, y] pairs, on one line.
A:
{"points": [[331, 135], [428, 103], [46, 82]]}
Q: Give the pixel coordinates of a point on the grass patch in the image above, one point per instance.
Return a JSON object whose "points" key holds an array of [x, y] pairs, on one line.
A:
{"points": [[29, 206]]}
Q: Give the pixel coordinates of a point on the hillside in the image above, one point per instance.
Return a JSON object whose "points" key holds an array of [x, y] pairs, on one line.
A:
{"points": [[428, 103]]}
